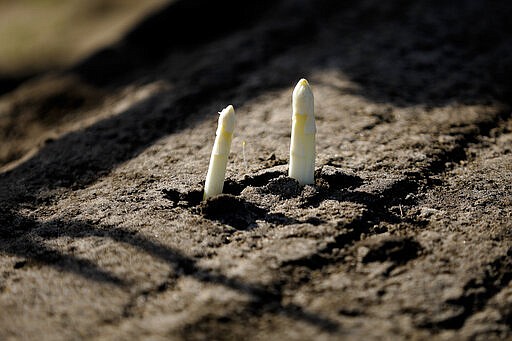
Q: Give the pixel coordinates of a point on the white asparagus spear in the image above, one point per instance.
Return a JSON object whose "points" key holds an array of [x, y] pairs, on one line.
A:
{"points": [[220, 152], [302, 147]]}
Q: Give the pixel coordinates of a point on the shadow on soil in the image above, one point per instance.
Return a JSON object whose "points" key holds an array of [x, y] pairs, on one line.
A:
{"points": [[420, 53], [31, 247], [426, 52], [429, 53], [399, 52]]}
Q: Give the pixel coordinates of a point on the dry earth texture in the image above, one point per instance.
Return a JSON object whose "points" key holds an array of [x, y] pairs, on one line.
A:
{"points": [[407, 233]]}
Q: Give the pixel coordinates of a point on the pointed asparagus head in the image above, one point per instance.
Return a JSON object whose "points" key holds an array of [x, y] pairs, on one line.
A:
{"points": [[219, 158], [226, 120], [303, 103]]}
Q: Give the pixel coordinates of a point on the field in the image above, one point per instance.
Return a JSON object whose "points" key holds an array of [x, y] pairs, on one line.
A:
{"points": [[406, 234]]}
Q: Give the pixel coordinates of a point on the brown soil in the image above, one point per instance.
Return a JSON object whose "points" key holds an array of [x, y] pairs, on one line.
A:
{"points": [[407, 233]]}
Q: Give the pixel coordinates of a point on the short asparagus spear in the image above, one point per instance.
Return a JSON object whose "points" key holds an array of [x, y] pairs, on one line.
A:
{"points": [[219, 157], [302, 147]]}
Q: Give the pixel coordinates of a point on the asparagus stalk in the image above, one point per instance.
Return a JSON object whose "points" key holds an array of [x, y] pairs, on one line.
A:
{"points": [[302, 147], [218, 160]]}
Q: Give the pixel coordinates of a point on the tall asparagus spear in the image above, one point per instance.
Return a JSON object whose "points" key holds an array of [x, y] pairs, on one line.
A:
{"points": [[302, 147]]}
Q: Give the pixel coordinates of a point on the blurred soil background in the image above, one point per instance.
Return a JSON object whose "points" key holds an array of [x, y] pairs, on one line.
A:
{"points": [[40, 37], [43, 35], [107, 117]]}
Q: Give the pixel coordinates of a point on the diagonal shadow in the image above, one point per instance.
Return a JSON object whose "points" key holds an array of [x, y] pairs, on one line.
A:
{"points": [[424, 52], [15, 240], [419, 54], [80, 157], [181, 25], [264, 298]]}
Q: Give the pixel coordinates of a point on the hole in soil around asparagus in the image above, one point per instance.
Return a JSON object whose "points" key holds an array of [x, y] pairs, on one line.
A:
{"points": [[231, 210]]}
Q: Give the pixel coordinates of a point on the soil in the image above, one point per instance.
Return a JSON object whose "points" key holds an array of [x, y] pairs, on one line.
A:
{"points": [[406, 234]]}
